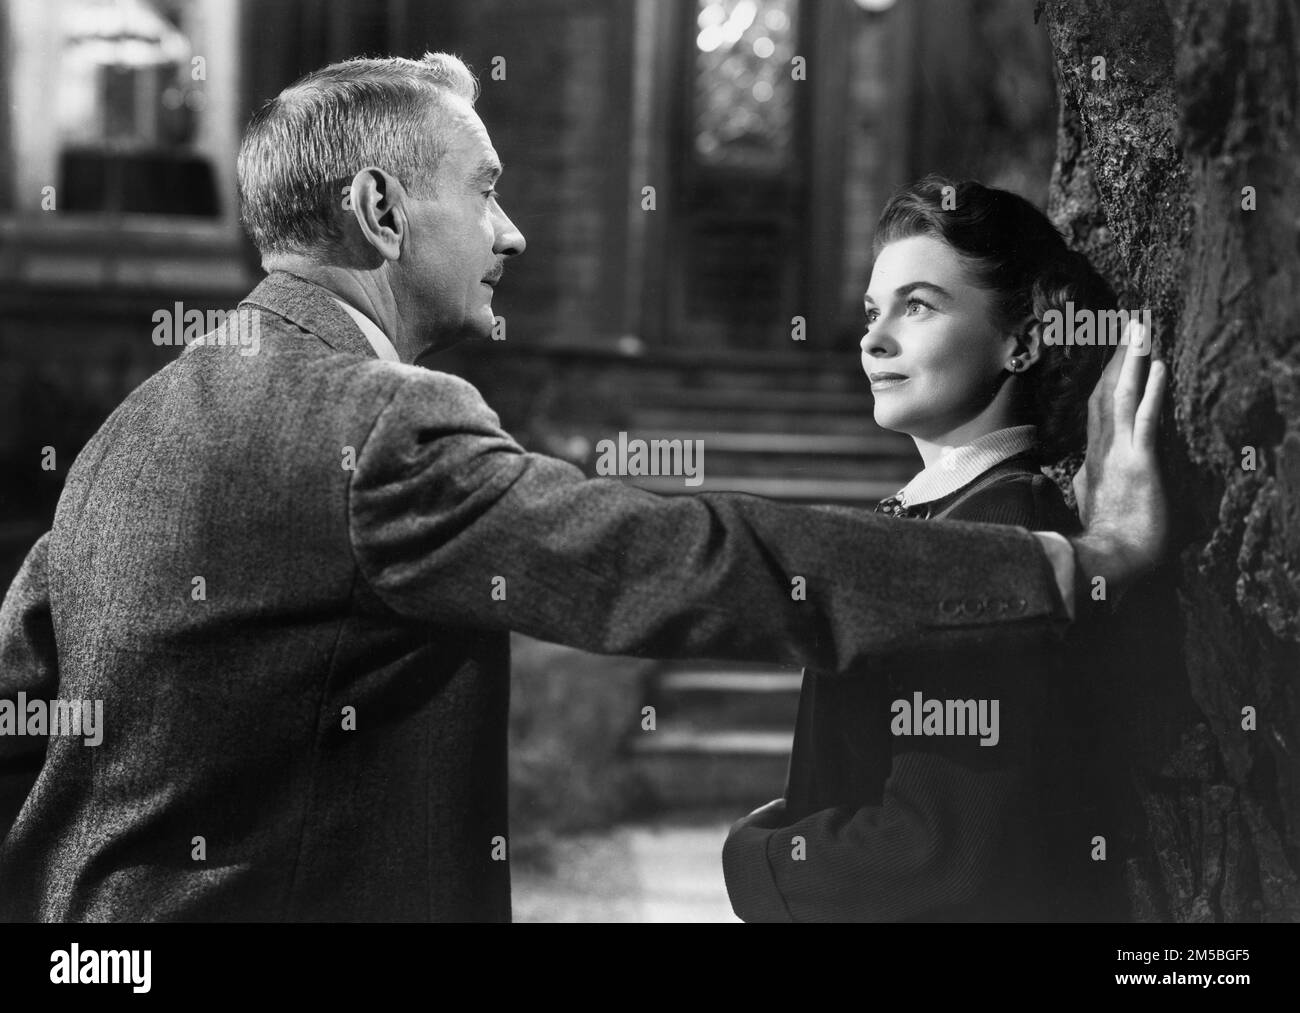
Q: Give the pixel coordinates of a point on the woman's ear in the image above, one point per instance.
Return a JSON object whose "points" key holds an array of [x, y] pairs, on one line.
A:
{"points": [[1027, 347], [376, 200]]}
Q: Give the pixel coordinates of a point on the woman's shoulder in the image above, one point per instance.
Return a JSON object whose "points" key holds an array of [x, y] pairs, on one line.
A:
{"points": [[1020, 496]]}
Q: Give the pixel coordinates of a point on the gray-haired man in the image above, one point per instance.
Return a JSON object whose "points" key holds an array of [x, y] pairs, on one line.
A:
{"points": [[290, 576]]}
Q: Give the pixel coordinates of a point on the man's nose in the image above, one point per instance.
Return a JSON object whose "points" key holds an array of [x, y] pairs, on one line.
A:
{"points": [[510, 241]]}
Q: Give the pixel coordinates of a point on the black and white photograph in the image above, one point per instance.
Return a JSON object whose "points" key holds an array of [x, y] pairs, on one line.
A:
{"points": [[651, 461]]}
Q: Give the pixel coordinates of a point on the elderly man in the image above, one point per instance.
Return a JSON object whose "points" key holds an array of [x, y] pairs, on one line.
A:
{"points": [[290, 576]]}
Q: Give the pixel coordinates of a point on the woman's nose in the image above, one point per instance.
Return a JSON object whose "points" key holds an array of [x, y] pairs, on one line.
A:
{"points": [[878, 344]]}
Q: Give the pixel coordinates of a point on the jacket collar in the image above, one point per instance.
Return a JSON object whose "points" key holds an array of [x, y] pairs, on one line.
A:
{"points": [[312, 309]]}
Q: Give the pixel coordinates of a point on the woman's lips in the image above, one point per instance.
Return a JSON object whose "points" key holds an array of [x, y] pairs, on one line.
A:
{"points": [[885, 381]]}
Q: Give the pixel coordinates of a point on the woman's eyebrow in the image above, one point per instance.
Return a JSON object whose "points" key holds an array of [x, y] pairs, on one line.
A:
{"points": [[911, 287]]}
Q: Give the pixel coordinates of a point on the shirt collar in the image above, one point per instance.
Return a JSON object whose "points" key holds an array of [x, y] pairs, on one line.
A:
{"points": [[377, 338], [959, 466]]}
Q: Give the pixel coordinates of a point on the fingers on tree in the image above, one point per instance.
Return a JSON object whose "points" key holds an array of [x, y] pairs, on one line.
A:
{"points": [[1132, 372], [1153, 399]]}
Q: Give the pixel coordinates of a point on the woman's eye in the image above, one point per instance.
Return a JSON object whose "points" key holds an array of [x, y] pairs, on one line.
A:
{"points": [[872, 316], [915, 302]]}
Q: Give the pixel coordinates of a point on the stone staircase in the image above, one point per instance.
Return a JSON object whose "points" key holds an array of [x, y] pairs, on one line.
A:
{"points": [[790, 430]]}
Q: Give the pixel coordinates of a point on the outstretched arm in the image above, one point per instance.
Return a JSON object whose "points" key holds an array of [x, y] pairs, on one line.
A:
{"points": [[453, 523]]}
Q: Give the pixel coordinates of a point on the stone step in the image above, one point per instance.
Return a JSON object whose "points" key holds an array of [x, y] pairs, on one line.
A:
{"points": [[702, 742], [790, 422], [879, 444], [699, 768], [895, 471], [771, 680], [733, 399], [803, 370], [722, 734], [845, 378], [739, 698], [784, 455], [809, 384], [864, 493]]}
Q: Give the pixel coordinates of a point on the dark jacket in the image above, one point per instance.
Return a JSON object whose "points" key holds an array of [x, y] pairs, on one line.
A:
{"points": [[317, 729], [916, 827]]}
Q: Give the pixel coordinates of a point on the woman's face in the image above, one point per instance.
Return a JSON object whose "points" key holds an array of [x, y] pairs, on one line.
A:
{"points": [[931, 351]]}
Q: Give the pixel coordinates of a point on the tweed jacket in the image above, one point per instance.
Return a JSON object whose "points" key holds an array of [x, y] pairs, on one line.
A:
{"points": [[290, 577]]}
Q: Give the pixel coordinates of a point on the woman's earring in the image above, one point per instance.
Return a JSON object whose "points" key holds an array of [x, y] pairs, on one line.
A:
{"points": [[1015, 365]]}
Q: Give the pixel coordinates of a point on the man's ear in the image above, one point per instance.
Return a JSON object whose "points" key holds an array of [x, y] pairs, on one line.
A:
{"points": [[377, 202]]}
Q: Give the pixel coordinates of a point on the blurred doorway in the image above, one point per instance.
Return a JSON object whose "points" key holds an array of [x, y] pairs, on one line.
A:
{"points": [[741, 136], [752, 151]]}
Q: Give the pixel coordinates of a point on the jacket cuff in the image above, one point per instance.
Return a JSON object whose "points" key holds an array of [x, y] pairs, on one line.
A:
{"points": [[1063, 565], [750, 883]]}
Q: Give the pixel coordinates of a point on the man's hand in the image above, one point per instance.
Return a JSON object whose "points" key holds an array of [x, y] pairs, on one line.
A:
{"points": [[1120, 493]]}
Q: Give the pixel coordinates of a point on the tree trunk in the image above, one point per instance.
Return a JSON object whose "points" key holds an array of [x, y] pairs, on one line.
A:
{"points": [[1169, 112]]}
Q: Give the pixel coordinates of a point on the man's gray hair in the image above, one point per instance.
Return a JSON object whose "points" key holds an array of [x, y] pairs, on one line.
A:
{"points": [[302, 148]]}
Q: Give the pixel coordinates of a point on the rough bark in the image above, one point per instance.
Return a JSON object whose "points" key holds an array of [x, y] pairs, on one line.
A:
{"points": [[1198, 102]]}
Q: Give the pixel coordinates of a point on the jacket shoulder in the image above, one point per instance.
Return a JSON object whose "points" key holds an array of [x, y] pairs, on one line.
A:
{"points": [[429, 403]]}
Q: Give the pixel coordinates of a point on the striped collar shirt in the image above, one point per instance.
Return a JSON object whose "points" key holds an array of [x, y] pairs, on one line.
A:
{"points": [[959, 466]]}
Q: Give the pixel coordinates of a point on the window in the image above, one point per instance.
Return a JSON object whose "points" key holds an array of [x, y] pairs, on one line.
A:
{"points": [[122, 124], [744, 92], [112, 105]]}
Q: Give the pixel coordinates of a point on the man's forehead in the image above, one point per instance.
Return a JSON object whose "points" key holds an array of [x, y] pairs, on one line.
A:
{"points": [[469, 150]]}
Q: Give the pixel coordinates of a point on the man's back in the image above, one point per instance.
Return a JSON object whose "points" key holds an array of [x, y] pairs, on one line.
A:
{"points": [[266, 749]]}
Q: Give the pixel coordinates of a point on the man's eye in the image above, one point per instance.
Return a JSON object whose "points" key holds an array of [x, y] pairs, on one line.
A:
{"points": [[491, 194]]}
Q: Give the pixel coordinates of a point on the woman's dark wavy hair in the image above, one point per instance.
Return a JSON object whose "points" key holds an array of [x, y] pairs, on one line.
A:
{"points": [[1016, 253]]}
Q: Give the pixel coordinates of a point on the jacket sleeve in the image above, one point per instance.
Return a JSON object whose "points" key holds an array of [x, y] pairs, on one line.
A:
{"points": [[453, 523], [28, 664], [928, 845]]}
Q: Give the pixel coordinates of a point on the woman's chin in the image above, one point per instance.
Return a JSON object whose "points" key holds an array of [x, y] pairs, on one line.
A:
{"points": [[889, 420]]}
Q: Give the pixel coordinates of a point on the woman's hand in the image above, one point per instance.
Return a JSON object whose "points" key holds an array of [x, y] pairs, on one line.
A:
{"points": [[766, 817], [1119, 488]]}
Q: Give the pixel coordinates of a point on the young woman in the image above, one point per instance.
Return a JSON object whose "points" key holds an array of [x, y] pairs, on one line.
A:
{"points": [[957, 786]]}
